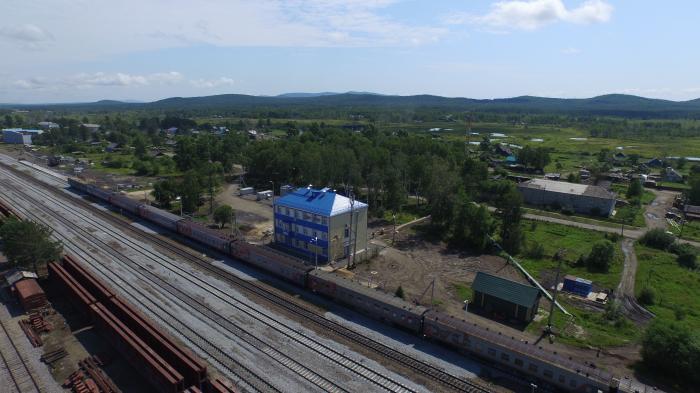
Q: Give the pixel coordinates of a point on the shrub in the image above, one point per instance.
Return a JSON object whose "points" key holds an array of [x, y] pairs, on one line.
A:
{"points": [[535, 250], [687, 255], [671, 349], [647, 296], [399, 292], [601, 256], [657, 238]]}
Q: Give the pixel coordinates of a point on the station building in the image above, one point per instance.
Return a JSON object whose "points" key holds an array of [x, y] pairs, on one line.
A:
{"points": [[19, 136], [580, 198], [315, 222]]}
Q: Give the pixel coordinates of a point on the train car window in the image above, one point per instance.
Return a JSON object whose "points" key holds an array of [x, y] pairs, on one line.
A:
{"points": [[518, 362]]}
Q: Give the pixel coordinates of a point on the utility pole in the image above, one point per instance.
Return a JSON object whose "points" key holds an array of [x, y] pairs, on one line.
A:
{"points": [[548, 330], [352, 205]]}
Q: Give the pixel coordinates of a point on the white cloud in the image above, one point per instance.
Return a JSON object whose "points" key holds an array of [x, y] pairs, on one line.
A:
{"points": [[99, 79], [533, 14], [25, 33], [27, 36], [212, 83]]}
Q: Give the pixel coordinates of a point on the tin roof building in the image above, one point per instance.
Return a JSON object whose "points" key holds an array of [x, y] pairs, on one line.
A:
{"points": [[580, 198], [19, 136], [316, 223], [505, 298]]}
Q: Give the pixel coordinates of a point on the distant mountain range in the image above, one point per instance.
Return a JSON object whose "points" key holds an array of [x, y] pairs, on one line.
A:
{"points": [[612, 104]]}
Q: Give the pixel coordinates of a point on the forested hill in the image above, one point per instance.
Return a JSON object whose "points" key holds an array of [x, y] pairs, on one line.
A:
{"points": [[613, 104]]}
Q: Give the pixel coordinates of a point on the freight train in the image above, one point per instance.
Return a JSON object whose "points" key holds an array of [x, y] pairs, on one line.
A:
{"points": [[525, 359]]}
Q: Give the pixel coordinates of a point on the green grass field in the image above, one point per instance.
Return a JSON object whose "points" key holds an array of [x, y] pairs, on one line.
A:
{"points": [[575, 242], [676, 287]]}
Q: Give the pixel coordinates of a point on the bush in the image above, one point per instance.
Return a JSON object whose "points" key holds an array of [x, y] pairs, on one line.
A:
{"points": [[399, 292], [671, 349], [687, 255], [657, 238], [535, 250], [647, 296], [635, 189], [688, 259], [613, 236], [601, 256]]}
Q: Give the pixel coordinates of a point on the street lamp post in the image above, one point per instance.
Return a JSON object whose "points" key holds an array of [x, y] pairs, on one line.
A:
{"points": [[315, 243]]}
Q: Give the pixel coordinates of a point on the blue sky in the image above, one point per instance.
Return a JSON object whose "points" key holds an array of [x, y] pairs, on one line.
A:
{"points": [[84, 50]]}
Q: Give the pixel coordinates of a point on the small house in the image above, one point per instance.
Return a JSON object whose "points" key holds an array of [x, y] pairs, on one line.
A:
{"points": [[655, 163], [671, 175], [504, 150]]}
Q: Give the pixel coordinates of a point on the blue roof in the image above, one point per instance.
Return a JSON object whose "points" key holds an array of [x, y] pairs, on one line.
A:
{"points": [[324, 202]]}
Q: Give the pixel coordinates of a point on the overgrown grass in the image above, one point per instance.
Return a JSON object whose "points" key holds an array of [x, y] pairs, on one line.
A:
{"points": [[587, 328], [691, 230], [676, 287], [464, 292], [575, 242]]}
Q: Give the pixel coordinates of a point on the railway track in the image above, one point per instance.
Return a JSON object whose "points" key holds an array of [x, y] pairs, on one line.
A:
{"points": [[198, 307], [434, 373], [19, 374], [248, 378]]}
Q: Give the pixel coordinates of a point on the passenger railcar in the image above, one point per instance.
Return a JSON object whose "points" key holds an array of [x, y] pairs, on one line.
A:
{"points": [[204, 235], [523, 357], [125, 203], [161, 217], [376, 304], [265, 258]]}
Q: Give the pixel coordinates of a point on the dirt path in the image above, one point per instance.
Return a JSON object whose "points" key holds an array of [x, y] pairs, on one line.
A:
{"points": [[625, 290], [655, 214]]}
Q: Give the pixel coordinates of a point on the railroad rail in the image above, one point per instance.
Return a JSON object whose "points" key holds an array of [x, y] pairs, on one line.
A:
{"points": [[255, 288], [203, 309], [251, 381], [14, 365]]}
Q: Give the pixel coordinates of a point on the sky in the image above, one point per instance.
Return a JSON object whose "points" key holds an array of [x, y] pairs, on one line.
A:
{"points": [[88, 50]]}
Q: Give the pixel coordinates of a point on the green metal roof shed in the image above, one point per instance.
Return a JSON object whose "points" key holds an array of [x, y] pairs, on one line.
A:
{"points": [[505, 297]]}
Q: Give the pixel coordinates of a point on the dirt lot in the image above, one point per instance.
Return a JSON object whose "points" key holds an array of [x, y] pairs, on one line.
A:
{"points": [[414, 262], [254, 217]]}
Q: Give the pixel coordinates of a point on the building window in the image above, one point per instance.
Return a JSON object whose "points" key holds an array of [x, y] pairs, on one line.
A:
{"points": [[324, 220], [505, 357], [548, 374], [572, 383], [347, 231], [562, 379], [492, 352], [532, 367], [518, 362]]}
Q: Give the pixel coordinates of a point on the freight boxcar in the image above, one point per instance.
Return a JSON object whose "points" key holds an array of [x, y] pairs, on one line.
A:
{"points": [[281, 265], [161, 217], [204, 235], [124, 202], [377, 304], [523, 357]]}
